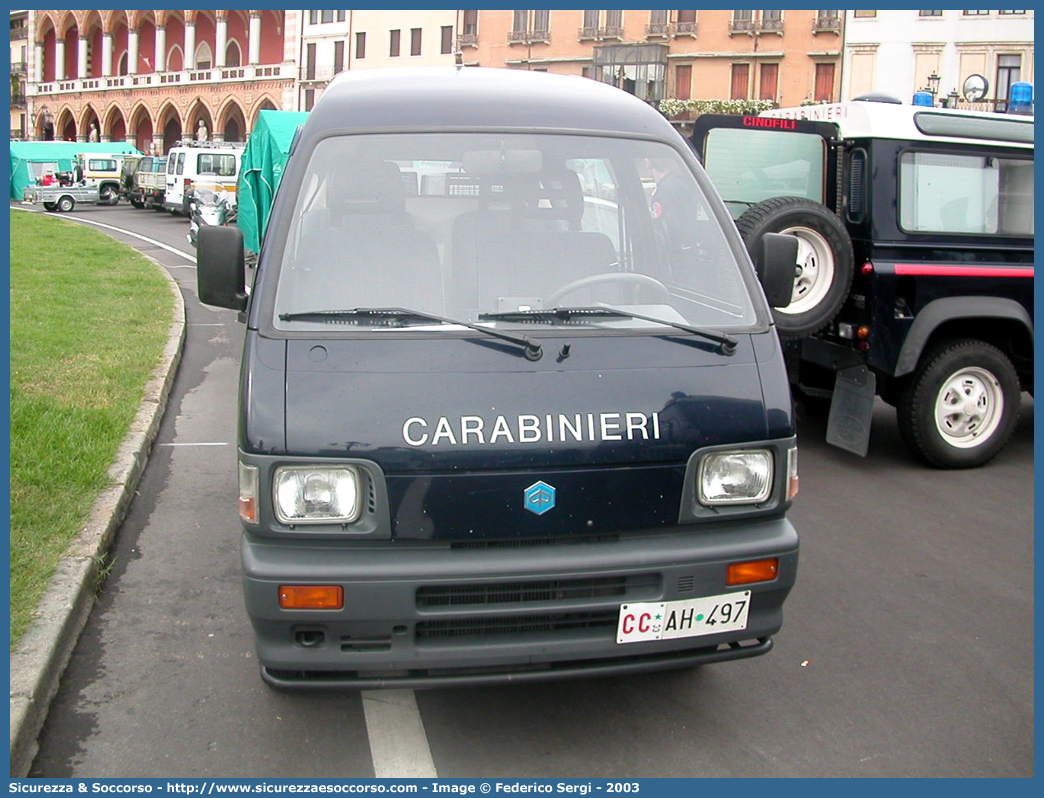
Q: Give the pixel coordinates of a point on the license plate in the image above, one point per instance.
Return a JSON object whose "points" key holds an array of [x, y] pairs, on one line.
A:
{"points": [[669, 620]]}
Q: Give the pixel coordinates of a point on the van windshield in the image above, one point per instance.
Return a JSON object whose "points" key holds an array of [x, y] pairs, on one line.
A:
{"points": [[469, 225]]}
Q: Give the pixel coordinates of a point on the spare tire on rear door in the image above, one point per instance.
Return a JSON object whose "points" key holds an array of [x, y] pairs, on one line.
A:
{"points": [[825, 263]]}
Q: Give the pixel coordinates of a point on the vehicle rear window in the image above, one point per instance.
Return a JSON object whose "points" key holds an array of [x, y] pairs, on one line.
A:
{"points": [[749, 166], [101, 164]]}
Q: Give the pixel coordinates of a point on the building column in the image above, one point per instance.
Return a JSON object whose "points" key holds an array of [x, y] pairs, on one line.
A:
{"points": [[132, 51], [39, 62], [221, 41], [107, 54], [160, 56], [157, 143], [59, 58], [81, 58], [190, 44], [254, 38]]}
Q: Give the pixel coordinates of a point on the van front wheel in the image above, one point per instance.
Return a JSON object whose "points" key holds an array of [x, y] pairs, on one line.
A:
{"points": [[960, 406], [825, 264]]}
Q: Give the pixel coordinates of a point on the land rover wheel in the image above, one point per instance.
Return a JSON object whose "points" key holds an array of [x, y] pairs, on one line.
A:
{"points": [[110, 195], [825, 264], [66, 204], [960, 406], [49, 206]]}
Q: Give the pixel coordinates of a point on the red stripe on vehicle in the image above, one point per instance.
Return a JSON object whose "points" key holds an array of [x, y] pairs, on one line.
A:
{"points": [[924, 270]]}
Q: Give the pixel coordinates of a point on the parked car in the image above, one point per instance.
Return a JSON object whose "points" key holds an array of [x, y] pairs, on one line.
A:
{"points": [[915, 275], [490, 430]]}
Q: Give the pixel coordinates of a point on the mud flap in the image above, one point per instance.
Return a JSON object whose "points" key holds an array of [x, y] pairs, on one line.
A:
{"points": [[851, 410]]}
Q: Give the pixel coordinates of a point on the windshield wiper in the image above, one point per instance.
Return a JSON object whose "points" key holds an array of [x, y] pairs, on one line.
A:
{"points": [[397, 317], [727, 342]]}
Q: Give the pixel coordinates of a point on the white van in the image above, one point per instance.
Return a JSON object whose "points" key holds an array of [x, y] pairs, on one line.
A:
{"points": [[213, 164]]}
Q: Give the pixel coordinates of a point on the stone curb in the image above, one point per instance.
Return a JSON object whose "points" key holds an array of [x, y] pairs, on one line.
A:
{"points": [[42, 654]]}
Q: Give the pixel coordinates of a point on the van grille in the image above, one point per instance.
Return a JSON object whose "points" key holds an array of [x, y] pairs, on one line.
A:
{"points": [[513, 625], [549, 590]]}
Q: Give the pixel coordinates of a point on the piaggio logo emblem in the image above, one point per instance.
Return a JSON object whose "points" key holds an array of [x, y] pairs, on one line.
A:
{"points": [[539, 498]]}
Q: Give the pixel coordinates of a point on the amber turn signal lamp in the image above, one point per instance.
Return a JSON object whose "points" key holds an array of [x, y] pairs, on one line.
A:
{"points": [[743, 573], [311, 597]]}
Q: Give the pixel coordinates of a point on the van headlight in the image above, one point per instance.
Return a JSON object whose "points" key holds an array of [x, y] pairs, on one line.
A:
{"points": [[738, 477], [316, 494]]}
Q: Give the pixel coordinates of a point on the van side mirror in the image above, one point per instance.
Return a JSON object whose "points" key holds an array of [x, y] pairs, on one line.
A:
{"points": [[220, 267], [776, 264]]}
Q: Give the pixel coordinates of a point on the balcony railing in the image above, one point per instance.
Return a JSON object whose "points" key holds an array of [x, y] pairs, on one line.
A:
{"points": [[741, 26], [655, 30], [770, 26], [683, 29], [17, 99], [20, 32], [195, 76], [467, 40], [528, 36], [18, 67], [598, 34], [323, 74], [826, 25]]}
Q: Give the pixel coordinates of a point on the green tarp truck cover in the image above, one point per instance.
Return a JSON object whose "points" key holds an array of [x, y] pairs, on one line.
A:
{"points": [[25, 153], [262, 167]]}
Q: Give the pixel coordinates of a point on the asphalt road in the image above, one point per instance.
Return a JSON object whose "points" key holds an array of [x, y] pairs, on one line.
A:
{"points": [[907, 647]]}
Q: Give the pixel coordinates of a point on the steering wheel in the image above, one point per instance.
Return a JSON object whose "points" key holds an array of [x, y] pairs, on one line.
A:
{"points": [[611, 277]]}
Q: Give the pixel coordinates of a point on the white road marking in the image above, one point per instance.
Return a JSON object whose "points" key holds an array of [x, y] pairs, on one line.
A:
{"points": [[152, 241], [216, 443], [398, 744]]}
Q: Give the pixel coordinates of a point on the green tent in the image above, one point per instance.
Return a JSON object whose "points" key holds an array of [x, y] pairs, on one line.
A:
{"points": [[30, 158], [262, 167]]}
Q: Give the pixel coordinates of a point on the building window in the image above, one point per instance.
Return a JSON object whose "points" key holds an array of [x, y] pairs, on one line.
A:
{"points": [[1011, 12], [975, 13], [327, 15], [470, 23], [930, 13], [309, 99], [313, 17], [360, 45], [1009, 68], [740, 81], [415, 41], [864, 14], [824, 87], [683, 82], [310, 61], [340, 16], [530, 26], [393, 47], [769, 83], [447, 39], [338, 57]]}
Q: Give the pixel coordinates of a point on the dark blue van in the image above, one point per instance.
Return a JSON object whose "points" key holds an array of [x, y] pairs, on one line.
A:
{"points": [[512, 403]]}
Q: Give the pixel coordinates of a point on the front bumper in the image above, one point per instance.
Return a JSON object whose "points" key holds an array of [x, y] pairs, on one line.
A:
{"points": [[426, 614]]}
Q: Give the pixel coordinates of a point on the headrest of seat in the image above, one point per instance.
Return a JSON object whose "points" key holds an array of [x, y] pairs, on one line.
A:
{"points": [[371, 187], [549, 195]]}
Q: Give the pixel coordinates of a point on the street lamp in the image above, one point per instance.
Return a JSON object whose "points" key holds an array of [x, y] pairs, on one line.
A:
{"points": [[933, 83]]}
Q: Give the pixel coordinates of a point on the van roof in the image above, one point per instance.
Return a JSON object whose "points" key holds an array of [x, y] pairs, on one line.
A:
{"points": [[441, 98], [859, 119]]}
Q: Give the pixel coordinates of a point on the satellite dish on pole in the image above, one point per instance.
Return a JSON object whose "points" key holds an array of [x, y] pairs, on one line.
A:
{"points": [[975, 88]]}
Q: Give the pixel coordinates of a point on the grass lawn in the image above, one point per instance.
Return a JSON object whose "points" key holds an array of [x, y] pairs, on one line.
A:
{"points": [[89, 321]]}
